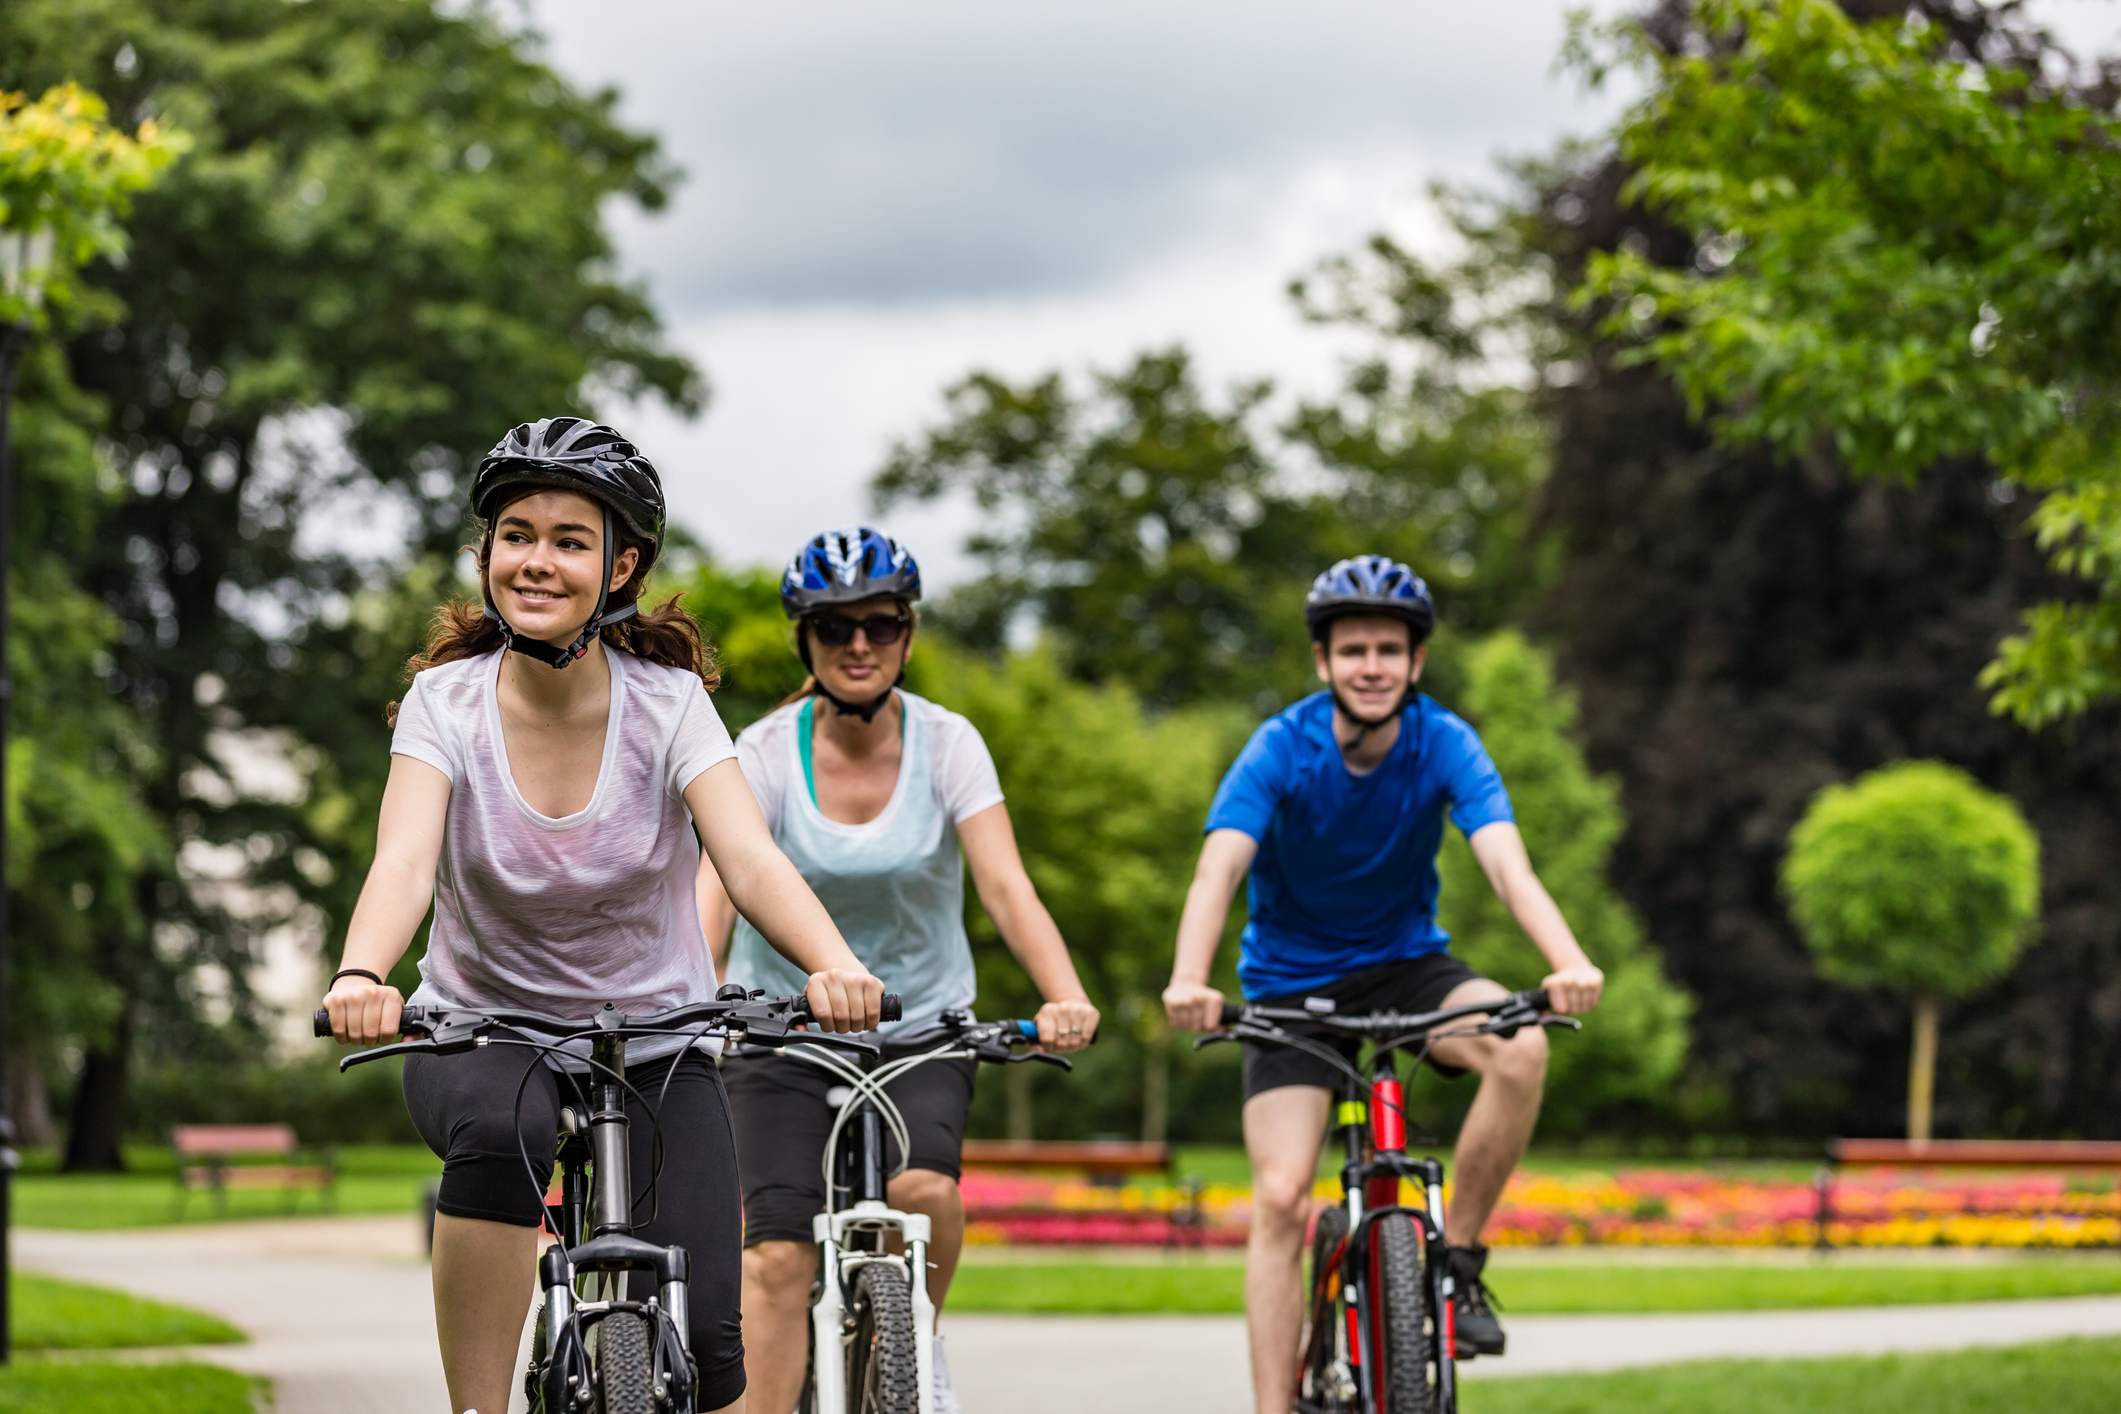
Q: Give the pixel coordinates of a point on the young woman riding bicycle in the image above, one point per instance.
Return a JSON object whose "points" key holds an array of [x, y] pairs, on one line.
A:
{"points": [[552, 801], [872, 792]]}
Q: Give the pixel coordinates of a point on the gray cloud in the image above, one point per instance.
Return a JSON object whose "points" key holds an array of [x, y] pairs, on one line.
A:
{"points": [[909, 150]]}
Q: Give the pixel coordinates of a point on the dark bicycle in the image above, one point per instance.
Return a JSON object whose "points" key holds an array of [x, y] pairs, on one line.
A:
{"points": [[1379, 1336], [872, 1324], [593, 1350]]}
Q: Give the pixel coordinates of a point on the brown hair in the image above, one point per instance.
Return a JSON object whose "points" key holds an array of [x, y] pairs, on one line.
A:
{"points": [[663, 634], [809, 687]]}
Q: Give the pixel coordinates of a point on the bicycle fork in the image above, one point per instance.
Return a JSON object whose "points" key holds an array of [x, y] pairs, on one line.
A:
{"points": [[851, 1237]]}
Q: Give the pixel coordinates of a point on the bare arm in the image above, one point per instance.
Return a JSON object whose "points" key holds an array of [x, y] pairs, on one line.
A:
{"points": [[394, 900], [1189, 1001], [766, 888], [717, 915], [1067, 1021], [1574, 984]]}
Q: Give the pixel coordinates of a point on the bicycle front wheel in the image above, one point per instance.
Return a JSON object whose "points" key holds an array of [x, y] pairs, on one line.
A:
{"points": [[883, 1371], [625, 1381], [1401, 1330]]}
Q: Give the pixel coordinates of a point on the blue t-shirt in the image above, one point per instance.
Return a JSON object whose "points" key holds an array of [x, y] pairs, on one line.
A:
{"points": [[1345, 877]]}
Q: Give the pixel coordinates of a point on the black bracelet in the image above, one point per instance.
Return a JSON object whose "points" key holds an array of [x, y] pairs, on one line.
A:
{"points": [[353, 972]]}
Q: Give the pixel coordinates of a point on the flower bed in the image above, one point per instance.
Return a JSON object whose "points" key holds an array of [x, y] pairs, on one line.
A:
{"points": [[1642, 1207]]}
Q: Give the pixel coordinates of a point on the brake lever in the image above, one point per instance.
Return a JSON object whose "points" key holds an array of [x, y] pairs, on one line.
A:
{"points": [[450, 1039], [773, 1035], [1018, 1058], [1569, 1021]]}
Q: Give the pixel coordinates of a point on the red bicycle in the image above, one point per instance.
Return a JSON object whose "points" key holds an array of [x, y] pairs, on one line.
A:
{"points": [[1379, 1336]]}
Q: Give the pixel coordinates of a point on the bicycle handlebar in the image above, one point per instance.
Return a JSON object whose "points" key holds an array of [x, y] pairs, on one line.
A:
{"points": [[425, 1020], [1383, 1023]]}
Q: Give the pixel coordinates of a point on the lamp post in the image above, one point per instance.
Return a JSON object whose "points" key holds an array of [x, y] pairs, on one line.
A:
{"points": [[25, 256]]}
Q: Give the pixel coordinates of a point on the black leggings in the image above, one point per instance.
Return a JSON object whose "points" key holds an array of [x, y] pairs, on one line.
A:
{"points": [[465, 1108]]}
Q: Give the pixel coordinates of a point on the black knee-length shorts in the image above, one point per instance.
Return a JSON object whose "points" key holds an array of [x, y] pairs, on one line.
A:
{"points": [[465, 1108], [782, 1118]]}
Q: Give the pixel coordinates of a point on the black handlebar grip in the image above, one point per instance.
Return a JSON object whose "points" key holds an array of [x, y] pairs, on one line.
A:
{"points": [[1232, 1013], [893, 1008], [411, 1020], [1540, 1000]]}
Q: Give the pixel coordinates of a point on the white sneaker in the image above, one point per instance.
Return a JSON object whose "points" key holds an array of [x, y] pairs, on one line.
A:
{"points": [[945, 1397]]}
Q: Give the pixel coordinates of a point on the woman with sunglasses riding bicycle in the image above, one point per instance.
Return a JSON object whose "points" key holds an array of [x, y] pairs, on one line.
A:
{"points": [[556, 768], [872, 792]]}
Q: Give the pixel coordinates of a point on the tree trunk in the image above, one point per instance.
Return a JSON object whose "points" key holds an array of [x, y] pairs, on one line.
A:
{"points": [[95, 1142], [28, 1101], [1922, 1069], [1156, 1086], [1020, 1126]]}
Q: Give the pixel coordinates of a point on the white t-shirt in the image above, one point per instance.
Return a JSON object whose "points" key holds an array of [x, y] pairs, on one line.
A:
{"points": [[895, 885], [564, 915]]}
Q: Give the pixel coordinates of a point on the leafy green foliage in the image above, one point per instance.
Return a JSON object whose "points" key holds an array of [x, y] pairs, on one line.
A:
{"points": [[1915, 878], [385, 248], [740, 612], [1633, 1047], [1907, 252], [1107, 804], [66, 179], [1139, 525]]}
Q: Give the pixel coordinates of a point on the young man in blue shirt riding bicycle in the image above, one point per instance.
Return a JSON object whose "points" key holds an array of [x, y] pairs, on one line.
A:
{"points": [[1336, 809]]}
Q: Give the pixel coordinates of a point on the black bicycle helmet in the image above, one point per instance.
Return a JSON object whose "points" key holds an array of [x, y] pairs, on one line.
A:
{"points": [[1369, 584], [574, 454]]}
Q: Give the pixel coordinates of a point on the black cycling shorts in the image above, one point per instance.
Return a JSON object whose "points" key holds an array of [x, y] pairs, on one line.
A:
{"points": [[465, 1108], [1416, 985], [778, 1102]]}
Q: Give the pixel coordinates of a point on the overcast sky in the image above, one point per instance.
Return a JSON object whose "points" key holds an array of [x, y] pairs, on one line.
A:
{"points": [[882, 195]]}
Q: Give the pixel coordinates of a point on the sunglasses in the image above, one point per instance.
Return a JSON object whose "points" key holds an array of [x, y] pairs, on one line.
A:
{"points": [[837, 630]]}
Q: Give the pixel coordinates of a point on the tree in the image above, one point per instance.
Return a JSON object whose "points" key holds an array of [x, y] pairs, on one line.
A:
{"points": [[1906, 235], [77, 832], [1914, 878], [1143, 526], [1107, 803], [1626, 1063], [386, 248]]}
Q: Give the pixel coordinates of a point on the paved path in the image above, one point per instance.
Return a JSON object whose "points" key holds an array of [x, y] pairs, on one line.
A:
{"points": [[341, 1319]]}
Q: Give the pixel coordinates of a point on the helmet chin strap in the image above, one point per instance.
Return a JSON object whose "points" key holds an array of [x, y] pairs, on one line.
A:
{"points": [[1365, 725], [557, 658]]}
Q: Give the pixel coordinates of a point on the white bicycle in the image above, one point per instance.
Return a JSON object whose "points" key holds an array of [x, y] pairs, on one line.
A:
{"points": [[872, 1325]]}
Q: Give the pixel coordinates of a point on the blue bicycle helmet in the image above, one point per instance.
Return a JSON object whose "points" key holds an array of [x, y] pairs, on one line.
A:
{"points": [[846, 567], [1369, 584]]}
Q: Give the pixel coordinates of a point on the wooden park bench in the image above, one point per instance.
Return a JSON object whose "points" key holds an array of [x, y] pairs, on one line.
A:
{"points": [[1100, 1158], [1955, 1153], [205, 1151]]}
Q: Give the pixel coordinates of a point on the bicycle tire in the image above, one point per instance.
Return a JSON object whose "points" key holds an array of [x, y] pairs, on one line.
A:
{"points": [[1322, 1340], [883, 1368], [625, 1379], [1403, 1318]]}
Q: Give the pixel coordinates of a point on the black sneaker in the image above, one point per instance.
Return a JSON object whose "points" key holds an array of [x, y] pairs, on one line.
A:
{"points": [[1479, 1333]]}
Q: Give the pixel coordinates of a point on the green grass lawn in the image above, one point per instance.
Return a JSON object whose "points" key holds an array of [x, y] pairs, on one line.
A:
{"points": [[1189, 1287], [38, 1388], [2062, 1377], [376, 1178], [50, 1314]]}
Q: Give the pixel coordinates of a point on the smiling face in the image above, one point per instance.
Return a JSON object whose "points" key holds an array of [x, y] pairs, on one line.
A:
{"points": [[860, 669], [548, 552], [1366, 660]]}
